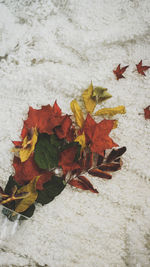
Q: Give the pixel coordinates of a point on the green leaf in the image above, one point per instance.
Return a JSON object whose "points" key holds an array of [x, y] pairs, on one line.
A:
{"points": [[51, 189], [46, 153], [101, 94]]}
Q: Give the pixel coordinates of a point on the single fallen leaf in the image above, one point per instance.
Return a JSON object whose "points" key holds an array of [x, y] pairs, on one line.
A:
{"points": [[119, 71], [111, 111], [28, 145], [147, 112], [99, 173], [101, 94], [83, 183], [30, 188], [89, 102], [116, 153], [77, 113], [81, 140], [141, 68]]}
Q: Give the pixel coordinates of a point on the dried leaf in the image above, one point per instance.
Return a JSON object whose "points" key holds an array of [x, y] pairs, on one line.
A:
{"points": [[99, 173], [111, 167], [28, 145], [65, 129], [147, 112], [141, 68], [101, 94], [25, 171], [111, 111], [119, 71], [68, 157], [83, 183], [77, 113], [81, 140], [30, 199], [116, 153], [89, 102], [97, 135]]}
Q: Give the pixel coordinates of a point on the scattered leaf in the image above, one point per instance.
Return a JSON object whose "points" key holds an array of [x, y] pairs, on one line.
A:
{"points": [[147, 112], [101, 94], [89, 102], [111, 111], [141, 68], [77, 113], [83, 183], [119, 71]]}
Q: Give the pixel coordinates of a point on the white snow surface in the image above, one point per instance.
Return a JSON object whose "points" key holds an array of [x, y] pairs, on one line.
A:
{"points": [[52, 50]]}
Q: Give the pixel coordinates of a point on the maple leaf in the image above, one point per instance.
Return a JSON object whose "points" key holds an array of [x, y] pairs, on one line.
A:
{"points": [[83, 183], [147, 112], [97, 134], [45, 119], [141, 68], [26, 171], [65, 130], [119, 71], [68, 159]]}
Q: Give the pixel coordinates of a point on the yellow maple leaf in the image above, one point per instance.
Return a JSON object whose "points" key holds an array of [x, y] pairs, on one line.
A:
{"points": [[77, 113], [111, 111], [30, 188], [89, 102], [81, 140], [28, 146]]}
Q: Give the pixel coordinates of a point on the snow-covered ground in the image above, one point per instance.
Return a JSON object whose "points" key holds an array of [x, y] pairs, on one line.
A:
{"points": [[52, 50]]}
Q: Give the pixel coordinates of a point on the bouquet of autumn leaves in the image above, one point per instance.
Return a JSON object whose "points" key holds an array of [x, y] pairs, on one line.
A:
{"points": [[58, 149]]}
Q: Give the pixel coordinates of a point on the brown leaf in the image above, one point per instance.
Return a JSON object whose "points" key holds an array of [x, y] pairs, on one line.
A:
{"points": [[99, 173], [83, 183], [141, 68], [119, 71], [116, 153], [111, 167]]}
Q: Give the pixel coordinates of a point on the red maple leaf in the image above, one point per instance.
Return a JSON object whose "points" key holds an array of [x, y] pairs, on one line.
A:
{"points": [[67, 159], [26, 171], [141, 68], [45, 119], [119, 71], [65, 130], [147, 112], [97, 134]]}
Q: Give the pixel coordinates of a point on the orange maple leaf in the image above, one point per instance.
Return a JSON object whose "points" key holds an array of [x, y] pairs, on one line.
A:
{"points": [[141, 68], [119, 71]]}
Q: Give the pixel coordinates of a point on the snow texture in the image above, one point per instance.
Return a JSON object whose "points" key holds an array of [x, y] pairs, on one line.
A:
{"points": [[52, 50]]}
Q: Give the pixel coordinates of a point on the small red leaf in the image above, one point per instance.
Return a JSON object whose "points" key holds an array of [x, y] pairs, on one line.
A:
{"points": [[147, 112], [141, 68], [119, 71], [99, 173], [83, 183]]}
